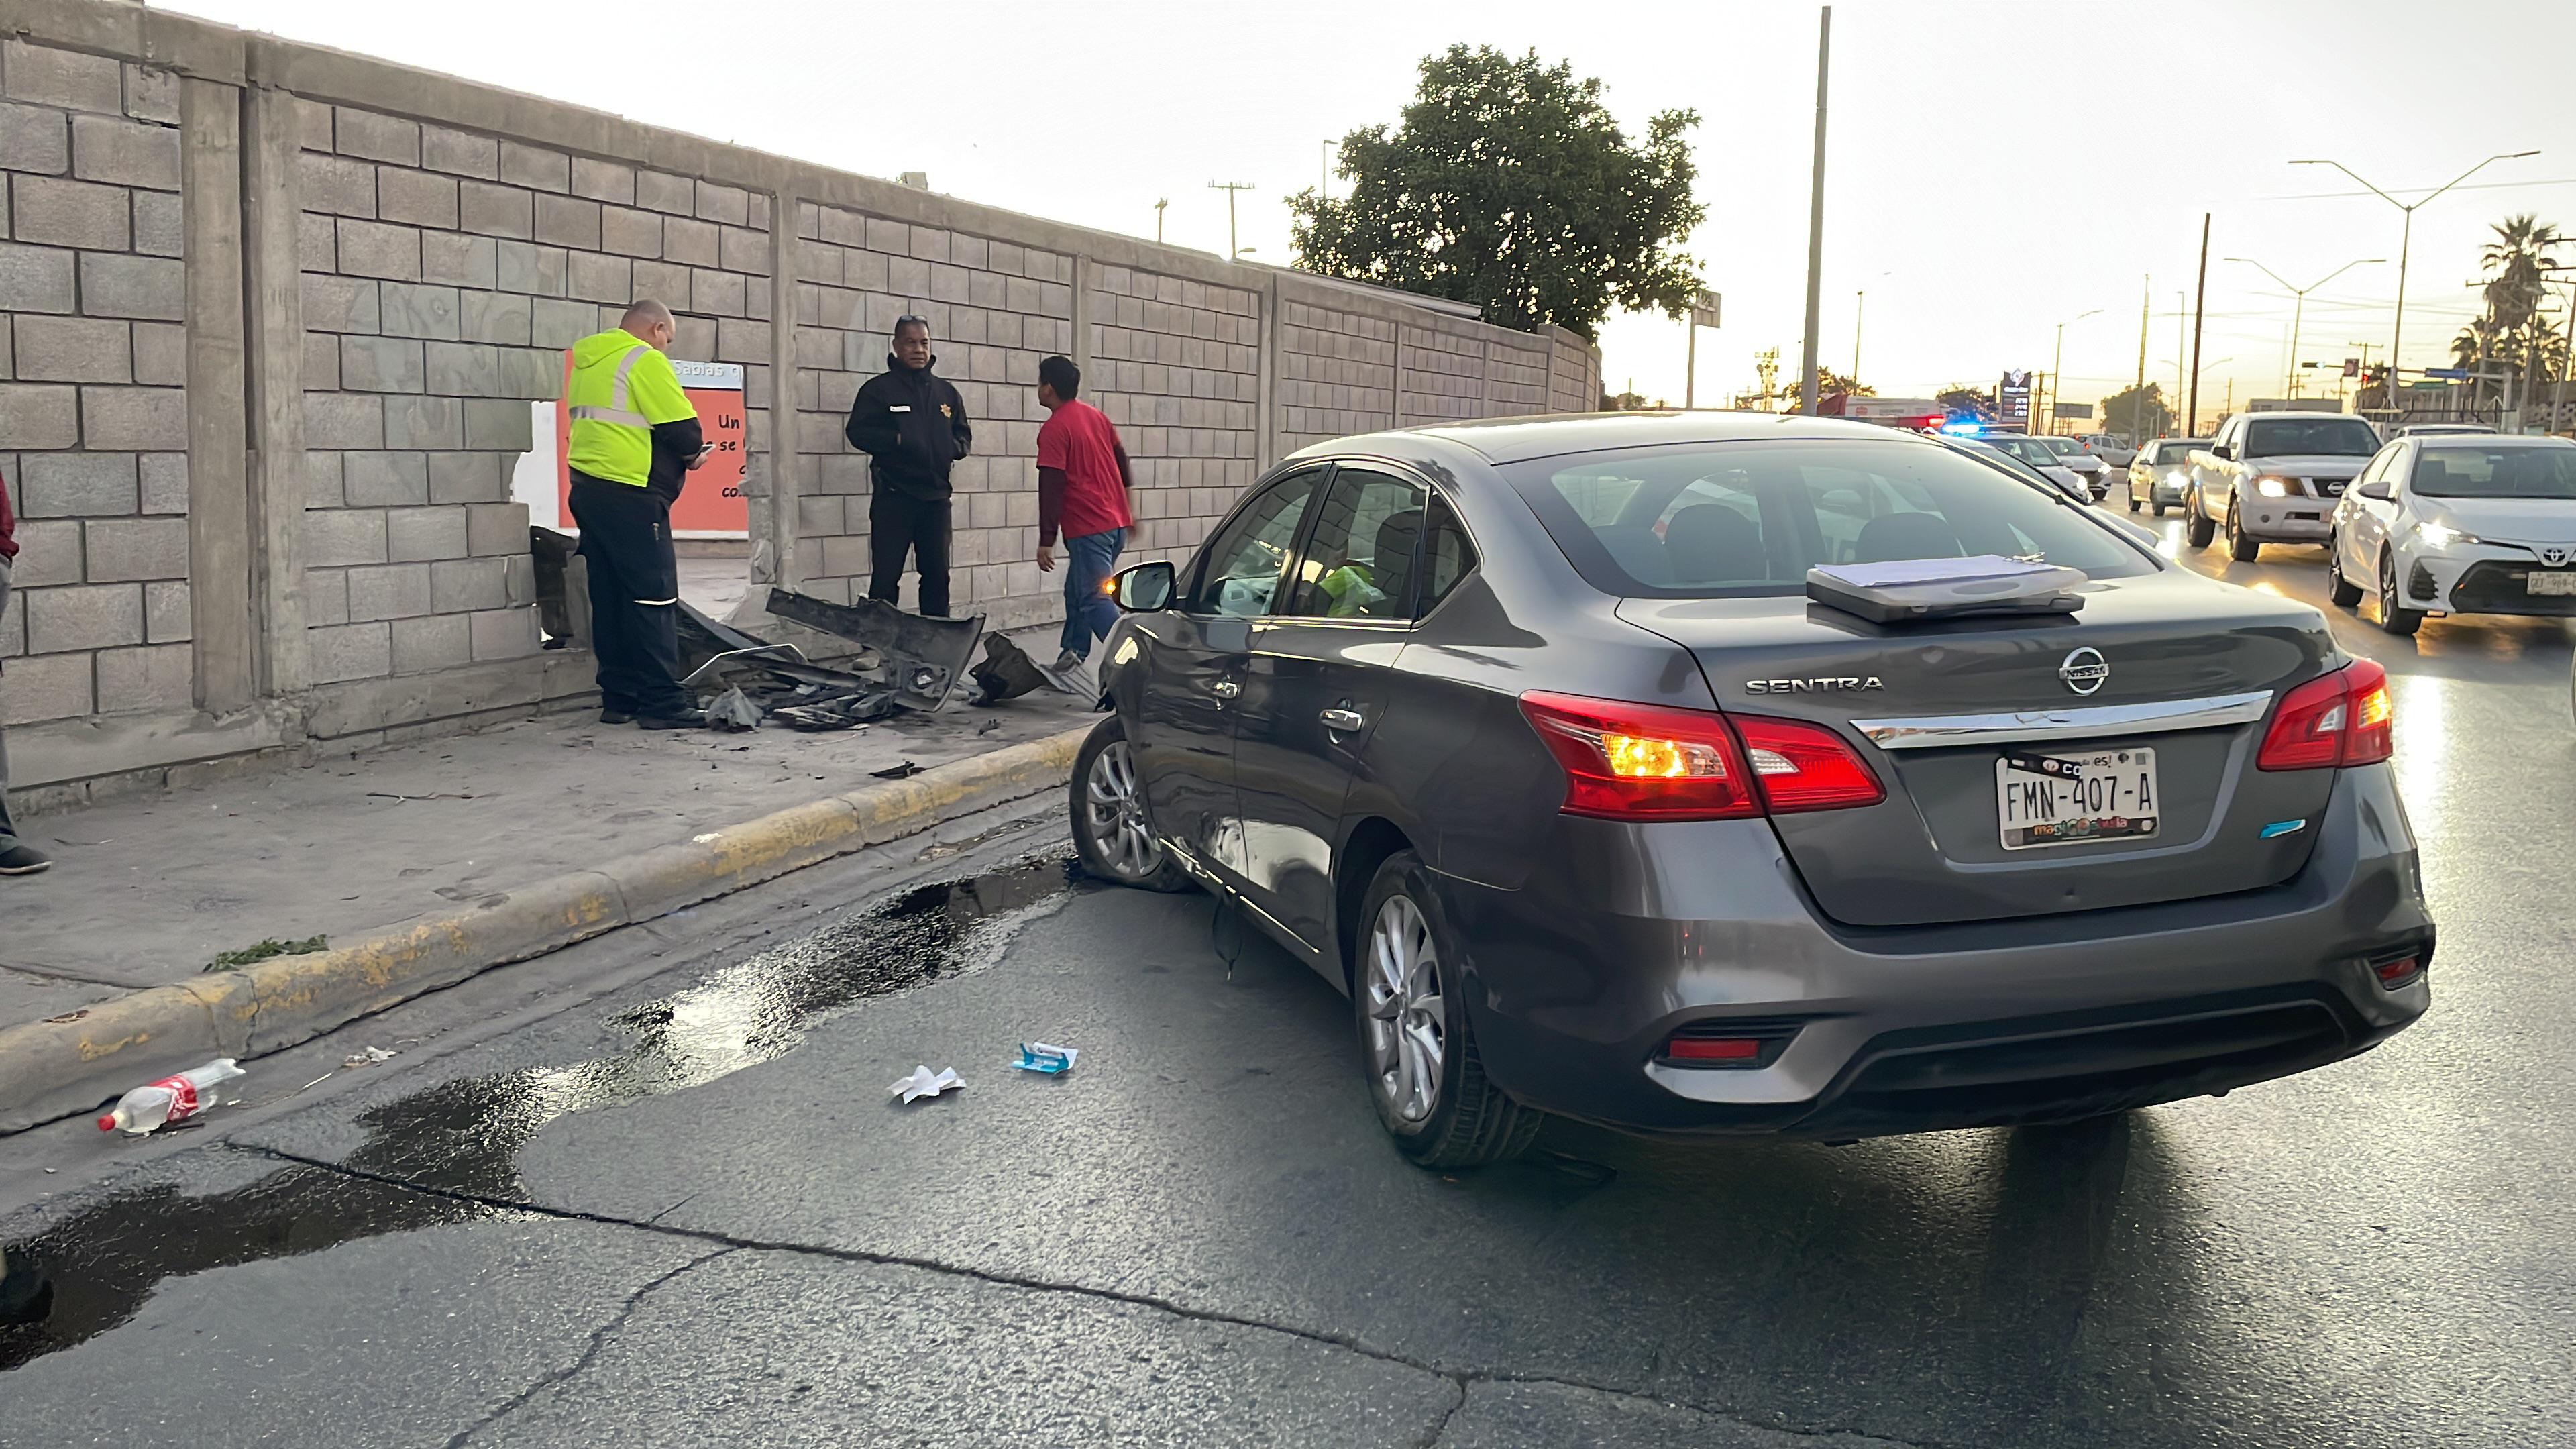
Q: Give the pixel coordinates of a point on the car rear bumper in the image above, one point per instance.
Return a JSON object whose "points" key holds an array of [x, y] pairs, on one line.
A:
{"points": [[1583, 974]]}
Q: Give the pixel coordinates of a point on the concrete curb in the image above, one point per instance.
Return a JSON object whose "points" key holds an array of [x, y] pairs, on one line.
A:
{"points": [[49, 1069]]}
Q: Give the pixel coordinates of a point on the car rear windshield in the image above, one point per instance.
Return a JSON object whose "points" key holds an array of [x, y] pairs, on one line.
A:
{"points": [[2328, 437], [1710, 520], [2029, 450], [2467, 470], [2178, 452], [2063, 447]]}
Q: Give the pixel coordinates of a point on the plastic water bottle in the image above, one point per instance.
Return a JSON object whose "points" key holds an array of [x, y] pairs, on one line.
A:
{"points": [[171, 1099]]}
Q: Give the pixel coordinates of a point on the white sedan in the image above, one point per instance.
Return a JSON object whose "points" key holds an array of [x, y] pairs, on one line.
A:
{"points": [[2459, 525]]}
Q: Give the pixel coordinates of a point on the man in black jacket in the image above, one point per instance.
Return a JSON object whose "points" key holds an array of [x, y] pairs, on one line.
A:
{"points": [[913, 425]]}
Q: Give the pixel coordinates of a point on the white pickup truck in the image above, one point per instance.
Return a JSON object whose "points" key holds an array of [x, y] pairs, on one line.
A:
{"points": [[2274, 478]]}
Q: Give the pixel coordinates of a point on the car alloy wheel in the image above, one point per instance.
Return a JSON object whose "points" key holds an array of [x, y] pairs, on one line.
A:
{"points": [[1408, 1024], [2343, 591], [2239, 547], [2394, 617], [1115, 812]]}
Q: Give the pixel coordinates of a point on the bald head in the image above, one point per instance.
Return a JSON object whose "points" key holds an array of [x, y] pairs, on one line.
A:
{"points": [[651, 321]]}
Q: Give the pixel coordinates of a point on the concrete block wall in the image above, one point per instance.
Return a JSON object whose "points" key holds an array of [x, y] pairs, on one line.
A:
{"points": [[93, 355], [272, 316]]}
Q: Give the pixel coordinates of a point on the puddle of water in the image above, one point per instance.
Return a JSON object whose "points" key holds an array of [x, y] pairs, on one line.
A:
{"points": [[464, 1136]]}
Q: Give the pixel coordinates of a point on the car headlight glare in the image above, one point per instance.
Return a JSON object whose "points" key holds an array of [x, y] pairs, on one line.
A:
{"points": [[2443, 536], [2272, 487], [2177, 477]]}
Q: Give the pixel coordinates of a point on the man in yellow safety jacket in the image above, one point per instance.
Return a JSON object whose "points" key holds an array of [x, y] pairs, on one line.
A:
{"points": [[634, 437]]}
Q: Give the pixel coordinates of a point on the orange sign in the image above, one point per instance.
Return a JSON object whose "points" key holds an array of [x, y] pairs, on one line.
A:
{"points": [[711, 503]]}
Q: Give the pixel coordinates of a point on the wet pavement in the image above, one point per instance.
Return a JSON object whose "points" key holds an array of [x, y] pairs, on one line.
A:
{"points": [[687, 1213]]}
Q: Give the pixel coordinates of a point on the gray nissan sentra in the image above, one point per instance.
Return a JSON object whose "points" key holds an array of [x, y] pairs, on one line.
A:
{"points": [[1536, 739]]}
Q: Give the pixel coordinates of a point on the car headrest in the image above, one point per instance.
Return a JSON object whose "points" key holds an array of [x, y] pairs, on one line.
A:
{"points": [[1893, 536], [1708, 544]]}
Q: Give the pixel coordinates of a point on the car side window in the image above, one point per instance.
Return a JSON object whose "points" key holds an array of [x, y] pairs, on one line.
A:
{"points": [[1240, 578], [1447, 555], [1363, 557]]}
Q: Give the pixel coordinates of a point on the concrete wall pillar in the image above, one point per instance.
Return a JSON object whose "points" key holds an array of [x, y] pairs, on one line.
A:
{"points": [[1085, 271], [219, 545], [1267, 417], [786, 565], [271, 207]]}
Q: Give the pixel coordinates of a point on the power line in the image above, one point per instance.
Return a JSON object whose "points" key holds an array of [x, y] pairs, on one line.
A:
{"points": [[2476, 186]]}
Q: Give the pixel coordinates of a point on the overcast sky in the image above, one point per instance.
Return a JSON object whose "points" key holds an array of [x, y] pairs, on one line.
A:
{"points": [[1993, 169]]}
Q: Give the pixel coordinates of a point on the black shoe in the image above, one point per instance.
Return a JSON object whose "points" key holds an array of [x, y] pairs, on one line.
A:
{"points": [[690, 721], [24, 860], [615, 716]]}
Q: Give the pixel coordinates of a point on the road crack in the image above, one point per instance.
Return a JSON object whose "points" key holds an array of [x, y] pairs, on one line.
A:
{"points": [[599, 1339]]}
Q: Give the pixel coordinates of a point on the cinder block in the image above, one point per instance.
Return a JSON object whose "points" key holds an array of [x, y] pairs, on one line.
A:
{"points": [[603, 181], [326, 596], [437, 641], [35, 279], [349, 651], [341, 537], [127, 286], [160, 354], [160, 677], [535, 270], [164, 478], [728, 204], [343, 420], [504, 211], [77, 485], [674, 195], [129, 550], [741, 340], [504, 633], [500, 317], [51, 77], [388, 591], [321, 362], [46, 687], [341, 304], [844, 554], [379, 249], [378, 138], [49, 553], [424, 422], [535, 167], [74, 349], [166, 619], [521, 575], [382, 364], [693, 242], [665, 282], [156, 223], [568, 221], [597, 278], [715, 293], [500, 425], [466, 477], [419, 310], [317, 242], [338, 185], [468, 585], [464, 369], [384, 479], [818, 517], [416, 197], [312, 125], [34, 140], [758, 213], [554, 323], [152, 95], [460, 153], [630, 232], [497, 529], [321, 480], [416, 535], [133, 419], [84, 616], [59, 212], [454, 260]]}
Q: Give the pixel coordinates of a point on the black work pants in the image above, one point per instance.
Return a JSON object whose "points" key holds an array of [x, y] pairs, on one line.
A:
{"points": [[634, 598], [899, 524]]}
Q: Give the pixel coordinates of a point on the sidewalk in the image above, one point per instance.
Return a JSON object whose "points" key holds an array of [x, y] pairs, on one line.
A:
{"points": [[147, 890]]}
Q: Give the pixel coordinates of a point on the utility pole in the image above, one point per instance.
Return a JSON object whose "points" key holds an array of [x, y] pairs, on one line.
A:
{"points": [[2058, 362], [2200, 299], [1159, 203], [2146, 294], [1857, 299], [1816, 217], [1233, 252]]}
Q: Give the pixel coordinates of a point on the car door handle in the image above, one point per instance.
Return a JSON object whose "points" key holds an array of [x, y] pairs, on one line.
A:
{"points": [[1343, 719], [1225, 689]]}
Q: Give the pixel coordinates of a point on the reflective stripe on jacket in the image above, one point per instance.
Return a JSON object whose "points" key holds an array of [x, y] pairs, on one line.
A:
{"points": [[620, 387]]}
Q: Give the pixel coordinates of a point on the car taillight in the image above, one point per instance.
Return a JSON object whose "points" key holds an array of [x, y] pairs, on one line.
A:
{"points": [[2343, 718], [1649, 762]]}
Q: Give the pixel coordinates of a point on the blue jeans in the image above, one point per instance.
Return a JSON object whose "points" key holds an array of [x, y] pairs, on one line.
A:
{"points": [[1088, 612]]}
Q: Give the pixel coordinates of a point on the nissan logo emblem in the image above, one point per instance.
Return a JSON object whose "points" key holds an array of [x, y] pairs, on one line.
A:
{"points": [[2084, 670]]}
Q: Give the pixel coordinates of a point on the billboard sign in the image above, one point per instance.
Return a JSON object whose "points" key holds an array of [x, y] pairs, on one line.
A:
{"points": [[2071, 410], [1704, 308], [2012, 398]]}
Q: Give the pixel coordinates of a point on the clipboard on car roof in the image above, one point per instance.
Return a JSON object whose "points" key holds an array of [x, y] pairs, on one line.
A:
{"points": [[1902, 591]]}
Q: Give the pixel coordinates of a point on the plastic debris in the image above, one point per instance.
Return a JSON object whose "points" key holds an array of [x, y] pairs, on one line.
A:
{"points": [[904, 771], [925, 1083], [1038, 1056], [368, 1058], [734, 710], [171, 1099]]}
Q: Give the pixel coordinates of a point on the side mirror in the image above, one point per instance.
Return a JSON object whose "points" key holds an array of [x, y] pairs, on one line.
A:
{"points": [[2222, 451], [2378, 490], [1143, 589]]}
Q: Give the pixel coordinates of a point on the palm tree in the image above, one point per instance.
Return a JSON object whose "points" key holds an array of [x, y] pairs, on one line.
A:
{"points": [[2512, 329], [2477, 342]]}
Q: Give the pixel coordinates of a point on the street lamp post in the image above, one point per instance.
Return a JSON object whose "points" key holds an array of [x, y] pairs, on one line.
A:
{"points": [[2298, 306], [2058, 362], [2406, 240], [1816, 217]]}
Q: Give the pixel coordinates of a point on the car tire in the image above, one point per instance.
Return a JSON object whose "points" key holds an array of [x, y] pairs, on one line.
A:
{"points": [[2200, 527], [2155, 509], [1111, 831], [2133, 500], [2394, 617], [2343, 591], [1417, 1051], [2239, 547]]}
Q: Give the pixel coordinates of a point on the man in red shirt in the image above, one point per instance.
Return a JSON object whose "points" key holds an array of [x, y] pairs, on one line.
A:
{"points": [[1083, 478], [16, 856]]}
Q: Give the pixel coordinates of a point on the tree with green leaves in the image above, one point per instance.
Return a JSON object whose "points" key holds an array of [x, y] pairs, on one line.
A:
{"points": [[2139, 412], [1507, 184], [1963, 398]]}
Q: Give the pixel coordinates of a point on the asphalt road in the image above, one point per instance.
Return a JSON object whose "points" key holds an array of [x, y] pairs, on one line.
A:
{"points": [[659, 1197]]}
